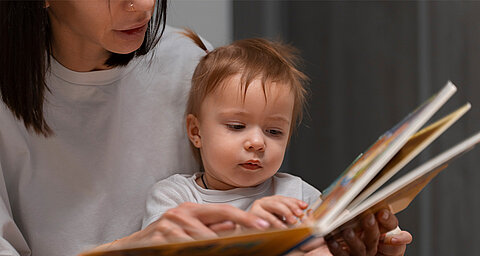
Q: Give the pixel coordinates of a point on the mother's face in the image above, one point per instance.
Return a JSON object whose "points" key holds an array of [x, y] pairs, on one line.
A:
{"points": [[114, 25]]}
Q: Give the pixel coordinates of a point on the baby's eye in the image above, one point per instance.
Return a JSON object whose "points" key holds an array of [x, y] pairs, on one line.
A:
{"points": [[235, 126], [274, 132]]}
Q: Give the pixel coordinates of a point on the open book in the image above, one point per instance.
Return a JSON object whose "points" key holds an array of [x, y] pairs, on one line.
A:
{"points": [[356, 192]]}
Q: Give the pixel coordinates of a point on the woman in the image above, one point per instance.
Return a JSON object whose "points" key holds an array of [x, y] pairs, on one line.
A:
{"points": [[90, 118]]}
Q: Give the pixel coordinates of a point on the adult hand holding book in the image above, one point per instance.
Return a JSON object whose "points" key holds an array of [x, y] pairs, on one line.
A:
{"points": [[187, 222], [362, 238]]}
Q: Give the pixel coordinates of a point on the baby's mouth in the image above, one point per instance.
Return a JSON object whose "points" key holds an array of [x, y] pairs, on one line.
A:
{"points": [[251, 166]]}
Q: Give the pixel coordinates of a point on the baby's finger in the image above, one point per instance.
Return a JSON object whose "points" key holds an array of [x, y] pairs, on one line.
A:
{"points": [[280, 209], [297, 202], [296, 206]]}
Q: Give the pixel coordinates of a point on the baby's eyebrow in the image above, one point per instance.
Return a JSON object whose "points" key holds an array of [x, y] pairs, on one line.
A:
{"points": [[233, 112], [279, 118], [243, 113]]}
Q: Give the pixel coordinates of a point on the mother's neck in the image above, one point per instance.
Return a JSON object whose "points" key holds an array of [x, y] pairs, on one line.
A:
{"points": [[76, 53], [79, 59]]}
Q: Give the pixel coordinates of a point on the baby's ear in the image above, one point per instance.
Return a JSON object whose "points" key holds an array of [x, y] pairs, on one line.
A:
{"points": [[193, 130]]}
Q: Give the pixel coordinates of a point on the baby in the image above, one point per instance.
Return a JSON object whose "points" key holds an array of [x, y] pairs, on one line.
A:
{"points": [[245, 102]]}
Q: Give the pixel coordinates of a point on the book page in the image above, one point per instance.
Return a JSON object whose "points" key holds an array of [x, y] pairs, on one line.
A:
{"points": [[396, 202], [397, 195], [336, 198], [412, 148]]}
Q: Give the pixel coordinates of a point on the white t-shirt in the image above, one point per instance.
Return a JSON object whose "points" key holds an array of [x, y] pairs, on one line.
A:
{"points": [[117, 132], [177, 189]]}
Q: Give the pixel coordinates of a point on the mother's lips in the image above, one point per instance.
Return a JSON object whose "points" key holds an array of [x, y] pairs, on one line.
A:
{"points": [[132, 33], [134, 30], [137, 27], [134, 27]]}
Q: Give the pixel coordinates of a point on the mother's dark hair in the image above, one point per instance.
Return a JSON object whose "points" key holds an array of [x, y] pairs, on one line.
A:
{"points": [[25, 48]]}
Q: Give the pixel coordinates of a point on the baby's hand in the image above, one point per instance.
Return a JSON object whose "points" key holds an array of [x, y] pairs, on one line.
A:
{"points": [[279, 210]]}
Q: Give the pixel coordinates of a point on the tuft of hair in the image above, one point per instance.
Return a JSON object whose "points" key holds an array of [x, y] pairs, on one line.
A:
{"points": [[195, 38]]}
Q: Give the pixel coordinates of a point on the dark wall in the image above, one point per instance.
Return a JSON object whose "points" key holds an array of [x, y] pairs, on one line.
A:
{"points": [[370, 64]]}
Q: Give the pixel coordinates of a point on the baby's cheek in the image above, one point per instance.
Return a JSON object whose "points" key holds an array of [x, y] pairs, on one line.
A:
{"points": [[274, 160], [277, 154]]}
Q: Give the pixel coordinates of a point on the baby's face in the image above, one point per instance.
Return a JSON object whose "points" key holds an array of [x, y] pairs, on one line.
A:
{"points": [[243, 141]]}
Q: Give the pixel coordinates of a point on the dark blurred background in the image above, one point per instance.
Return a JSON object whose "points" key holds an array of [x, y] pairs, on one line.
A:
{"points": [[370, 64]]}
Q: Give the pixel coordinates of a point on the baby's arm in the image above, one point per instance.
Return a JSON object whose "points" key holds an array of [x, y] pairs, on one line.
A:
{"points": [[279, 210]]}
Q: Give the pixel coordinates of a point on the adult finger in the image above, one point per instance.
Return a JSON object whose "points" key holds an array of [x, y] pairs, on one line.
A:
{"points": [[189, 224], [216, 213], [158, 232], [355, 244], [161, 231], [371, 234], [272, 219], [402, 237], [386, 220], [394, 245], [223, 227], [391, 250], [336, 249]]}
